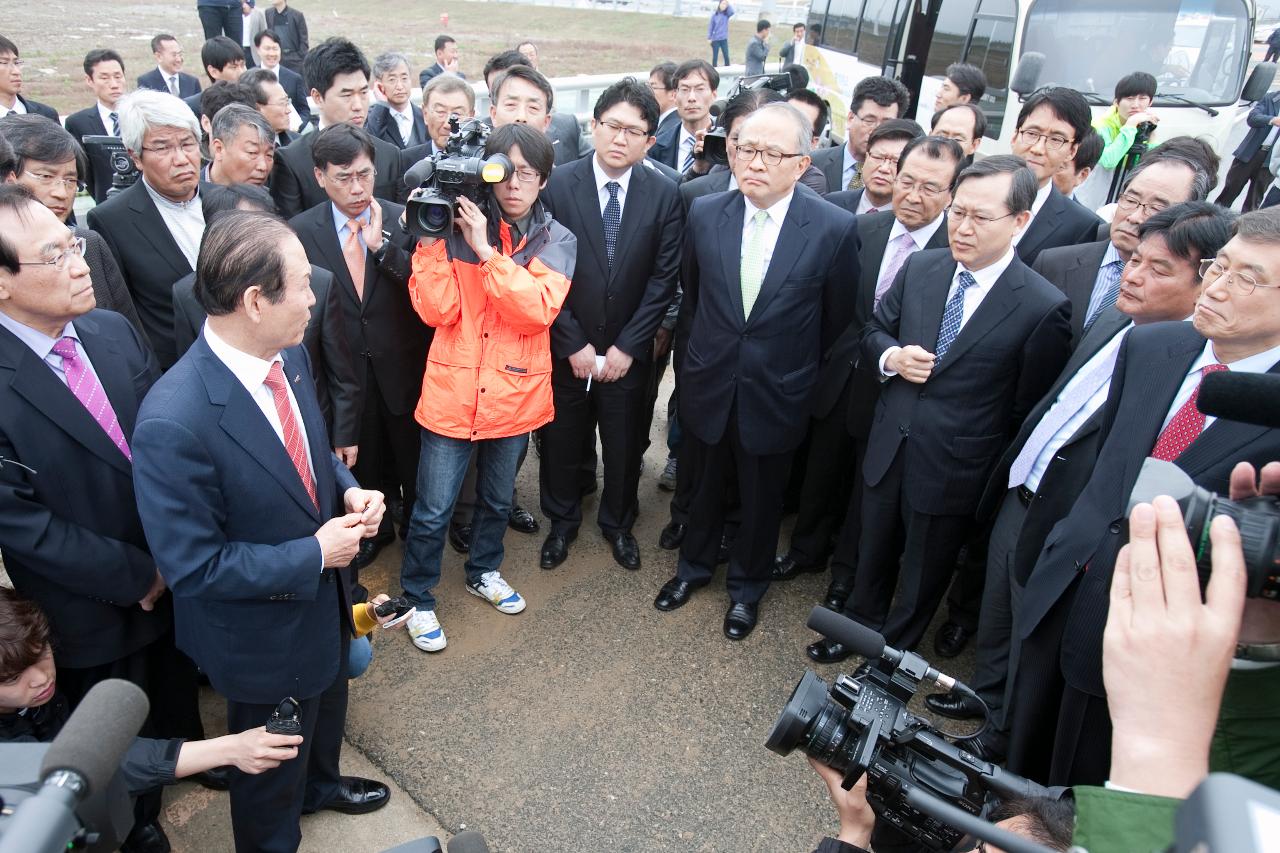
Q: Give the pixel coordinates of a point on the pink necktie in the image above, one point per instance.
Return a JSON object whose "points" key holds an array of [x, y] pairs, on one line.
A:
{"points": [[1186, 424], [293, 443], [906, 245], [88, 390]]}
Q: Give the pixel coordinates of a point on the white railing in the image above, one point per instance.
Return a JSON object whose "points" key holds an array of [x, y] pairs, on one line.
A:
{"points": [[777, 11], [578, 94]]}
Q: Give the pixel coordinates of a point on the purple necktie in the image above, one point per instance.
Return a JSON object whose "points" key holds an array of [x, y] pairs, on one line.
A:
{"points": [[906, 245], [88, 390]]}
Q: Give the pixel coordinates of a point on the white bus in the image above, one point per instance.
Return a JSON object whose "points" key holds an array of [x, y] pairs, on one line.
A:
{"points": [[1198, 50]]}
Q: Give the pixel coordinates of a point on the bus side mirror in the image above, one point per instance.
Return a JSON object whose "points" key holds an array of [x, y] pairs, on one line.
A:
{"points": [[1026, 78], [1259, 82]]}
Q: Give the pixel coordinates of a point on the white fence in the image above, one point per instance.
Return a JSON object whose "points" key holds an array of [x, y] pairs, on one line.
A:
{"points": [[578, 94], [778, 11]]}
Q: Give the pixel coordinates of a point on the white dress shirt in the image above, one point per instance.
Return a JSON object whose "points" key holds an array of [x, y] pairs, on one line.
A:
{"points": [[772, 226], [921, 237], [184, 219], [688, 141], [404, 121], [170, 80], [42, 345], [1260, 363], [17, 109], [104, 113], [1042, 195], [602, 194]]}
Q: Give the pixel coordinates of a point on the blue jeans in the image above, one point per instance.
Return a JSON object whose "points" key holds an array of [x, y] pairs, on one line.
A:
{"points": [[442, 464], [721, 45]]}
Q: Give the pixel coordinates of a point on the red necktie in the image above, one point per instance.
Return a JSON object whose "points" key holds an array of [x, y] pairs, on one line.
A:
{"points": [[293, 440], [1186, 424]]}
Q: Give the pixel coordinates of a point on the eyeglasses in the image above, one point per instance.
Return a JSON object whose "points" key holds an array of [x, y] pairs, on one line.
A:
{"points": [[44, 179], [187, 147], [12, 63], [746, 154], [1211, 271], [526, 175], [870, 122], [280, 102], [634, 134], [959, 215], [59, 261], [1052, 142], [908, 186], [1130, 201], [364, 176], [686, 91], [884, 159]]}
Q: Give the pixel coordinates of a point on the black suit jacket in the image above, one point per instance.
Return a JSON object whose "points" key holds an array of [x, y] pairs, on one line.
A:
{"points": [[1151, 367], [763, 368], [954, 427], [566, 137], [848, 199], [667, 143], [382, 125], [36, 108], [69, 528], [433, 70], [831, 162], [1074, 269], [88, 122], [1060, 222], [153, 79], [382, 328], [109, 288], [332, 364], [293, 180], [708, 184], [621, 307], [149, 259], [296, 88]]}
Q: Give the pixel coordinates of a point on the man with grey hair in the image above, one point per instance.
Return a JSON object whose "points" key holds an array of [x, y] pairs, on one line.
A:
{"points": [[964, 353], [394, 119], [242, 145], [756, 332], [154, 227]]}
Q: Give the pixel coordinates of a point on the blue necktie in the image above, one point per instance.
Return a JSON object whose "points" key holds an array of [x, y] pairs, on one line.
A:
{"points": [[953, 315], [612, 220], [1110, 291]]}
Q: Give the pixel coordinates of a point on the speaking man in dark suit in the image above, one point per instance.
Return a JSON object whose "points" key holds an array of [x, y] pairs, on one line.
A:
{"points": [[104, 75], [71, 379], [338, 75], [965, 352], [251, 519], [628, 222], [168, 75], [1250, 159], [394, 118], [446, 49], [875, 100], [1061, 728], [847, 392], [360, 240], [1050, 126], [761, 305], [154, 227], [11, 100], [1054, 454]]}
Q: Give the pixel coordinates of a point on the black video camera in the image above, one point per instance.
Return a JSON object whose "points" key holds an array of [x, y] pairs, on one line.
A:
{"points": [[461, 169], [861, 724], [107, 155], [713, 144]]}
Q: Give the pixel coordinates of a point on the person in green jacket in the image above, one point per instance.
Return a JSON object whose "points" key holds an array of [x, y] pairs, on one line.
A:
{"points": [[1118, 128]]}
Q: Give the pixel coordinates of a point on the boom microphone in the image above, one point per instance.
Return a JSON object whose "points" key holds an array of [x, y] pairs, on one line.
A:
{"points": [[418, 174], [863, 641], [1251, 398], [468, 842]]}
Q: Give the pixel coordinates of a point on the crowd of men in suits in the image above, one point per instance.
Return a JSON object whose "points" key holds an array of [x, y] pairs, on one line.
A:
{"points": [[948, 369]]}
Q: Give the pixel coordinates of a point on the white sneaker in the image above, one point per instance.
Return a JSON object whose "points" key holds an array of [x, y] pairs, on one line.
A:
{"points": [[493, 589], [424, 628]]}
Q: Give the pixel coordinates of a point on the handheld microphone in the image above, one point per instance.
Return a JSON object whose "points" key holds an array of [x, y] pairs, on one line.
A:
{"points": [[1251, 398], [863, 641], [468, 842]]}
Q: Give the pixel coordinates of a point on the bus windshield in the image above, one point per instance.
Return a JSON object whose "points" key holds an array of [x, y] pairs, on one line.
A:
{"points": [[1197, 49]]}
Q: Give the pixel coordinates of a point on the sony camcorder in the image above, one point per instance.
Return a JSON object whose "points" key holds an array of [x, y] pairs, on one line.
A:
{"points": [[461, 169], [713, 144]]}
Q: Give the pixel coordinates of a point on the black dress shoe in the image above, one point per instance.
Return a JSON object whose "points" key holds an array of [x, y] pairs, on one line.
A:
{"points": [[626, 551], [828, 651], [672, 536], [147, 838], [370, 548], [460, 537], [740, 620], [837, 596], [358, 796], [955, 705], [215, 778], [951, 639], [787, 568], [725, 550], [555, 548], [521, 520], [674, 594]]}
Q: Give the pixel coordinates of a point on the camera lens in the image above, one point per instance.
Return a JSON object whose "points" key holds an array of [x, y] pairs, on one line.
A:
{"points": [[813, 721], [435, 218]]}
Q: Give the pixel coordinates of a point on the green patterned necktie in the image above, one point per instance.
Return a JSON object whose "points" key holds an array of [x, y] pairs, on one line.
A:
{"points": [[855, 183], [752, 271]]}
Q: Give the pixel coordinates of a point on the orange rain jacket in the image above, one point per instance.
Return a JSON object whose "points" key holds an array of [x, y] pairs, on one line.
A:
{"points": [[488, 373]]}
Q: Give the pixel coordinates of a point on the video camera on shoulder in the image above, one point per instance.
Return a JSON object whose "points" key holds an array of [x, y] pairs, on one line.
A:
{"points": [[713, 144], [461, 169], [918, 779]]}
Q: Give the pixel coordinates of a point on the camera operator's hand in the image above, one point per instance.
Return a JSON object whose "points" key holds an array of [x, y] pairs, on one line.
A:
{"points": [[475, 228], [856, 817], [616, 365], [372, 230], [1261, 623], [1139, 118], [1165, 653], [583, 362]]}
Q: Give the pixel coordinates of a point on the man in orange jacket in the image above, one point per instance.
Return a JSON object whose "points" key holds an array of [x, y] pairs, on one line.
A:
{"points": [[491, 291]]}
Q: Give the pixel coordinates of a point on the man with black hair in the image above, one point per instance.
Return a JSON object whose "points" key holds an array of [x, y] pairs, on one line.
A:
{"points": [[290, 27], [213, 98], [272, 101], [1078, 170], [271, 54], [814, 107], [696, 84], [104, 75], [11, 100], [758, 48], [1118, 128], [884, 145], [875, 100], [168, 75], [962, 84], [446, 49], [338, 76], [1051, 125], [518, 92], [793, 50], [628, 224], [347, 235], [662, 82], [223, 61], [966, 124]]}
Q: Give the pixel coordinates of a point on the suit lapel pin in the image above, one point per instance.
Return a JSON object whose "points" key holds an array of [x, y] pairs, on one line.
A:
{"points": [[297, 377]]}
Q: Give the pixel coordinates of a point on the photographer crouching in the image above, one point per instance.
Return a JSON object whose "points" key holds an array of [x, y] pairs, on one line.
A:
{"points": [[491, 289]]}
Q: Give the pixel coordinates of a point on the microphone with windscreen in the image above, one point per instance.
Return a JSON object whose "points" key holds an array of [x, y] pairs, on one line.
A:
{"points": [[468, 842], [1250, 398], [81, 798]]}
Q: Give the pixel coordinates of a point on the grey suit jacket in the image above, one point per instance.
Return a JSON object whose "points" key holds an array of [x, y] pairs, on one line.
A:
{"points": [[831, 162]]}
